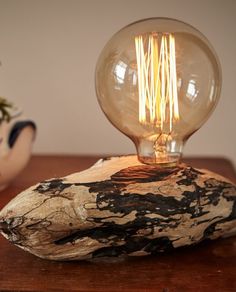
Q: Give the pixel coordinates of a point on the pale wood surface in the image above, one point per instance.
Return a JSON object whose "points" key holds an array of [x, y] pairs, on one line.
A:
{"points": [[207, 267], [120, 207]]}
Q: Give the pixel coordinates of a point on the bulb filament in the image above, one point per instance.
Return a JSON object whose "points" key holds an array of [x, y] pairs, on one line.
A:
{"points": [[157, 81]]}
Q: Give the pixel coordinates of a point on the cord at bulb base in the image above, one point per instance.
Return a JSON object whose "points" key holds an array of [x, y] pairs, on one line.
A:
{"points": [[166, 154]]}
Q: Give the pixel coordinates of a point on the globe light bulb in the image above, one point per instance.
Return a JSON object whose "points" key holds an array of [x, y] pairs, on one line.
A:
{"points": [[157, 81]]}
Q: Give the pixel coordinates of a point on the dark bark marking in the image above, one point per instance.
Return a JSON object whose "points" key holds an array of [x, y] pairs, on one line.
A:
{"points": [[150, 246]]}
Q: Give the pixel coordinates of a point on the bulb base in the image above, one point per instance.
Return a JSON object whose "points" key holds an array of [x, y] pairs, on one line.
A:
{"points": [[168, 161], [167, 155]]}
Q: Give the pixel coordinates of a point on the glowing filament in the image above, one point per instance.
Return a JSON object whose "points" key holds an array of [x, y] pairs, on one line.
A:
{"points": [[157, 81]]}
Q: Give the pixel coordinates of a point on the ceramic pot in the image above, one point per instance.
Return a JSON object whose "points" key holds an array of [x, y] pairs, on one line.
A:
{"points": [[16, 140]]}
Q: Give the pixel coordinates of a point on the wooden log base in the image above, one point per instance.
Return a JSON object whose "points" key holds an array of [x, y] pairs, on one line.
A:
{"points": [[120, 207]]}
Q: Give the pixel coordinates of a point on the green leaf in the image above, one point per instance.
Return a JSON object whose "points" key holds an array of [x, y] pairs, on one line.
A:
{"points": [[4, 110]]}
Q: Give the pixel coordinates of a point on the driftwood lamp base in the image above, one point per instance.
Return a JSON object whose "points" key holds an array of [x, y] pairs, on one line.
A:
{"points": [[120, 207]]}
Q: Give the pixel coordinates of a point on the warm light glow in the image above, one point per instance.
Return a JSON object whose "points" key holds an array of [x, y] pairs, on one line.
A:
{"points": [[157, 80]]}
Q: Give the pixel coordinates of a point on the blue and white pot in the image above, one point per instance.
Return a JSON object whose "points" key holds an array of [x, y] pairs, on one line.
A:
{"points": [[16, 140]]}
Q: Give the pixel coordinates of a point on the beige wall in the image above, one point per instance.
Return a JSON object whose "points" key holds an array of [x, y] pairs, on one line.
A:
{"points": [[48, 51]]}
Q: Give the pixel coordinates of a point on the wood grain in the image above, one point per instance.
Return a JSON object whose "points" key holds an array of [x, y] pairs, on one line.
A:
{"points": [[120, 207], [206, 267]]}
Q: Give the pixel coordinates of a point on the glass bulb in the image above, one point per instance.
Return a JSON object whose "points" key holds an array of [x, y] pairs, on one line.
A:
{"points": [[157, 81]]}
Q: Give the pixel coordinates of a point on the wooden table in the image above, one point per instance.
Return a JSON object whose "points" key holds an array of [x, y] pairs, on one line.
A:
{"points": [[210, 266]]}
